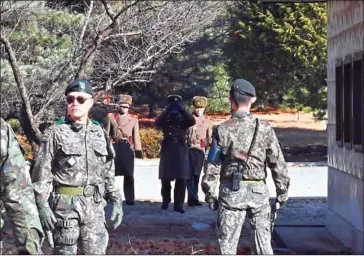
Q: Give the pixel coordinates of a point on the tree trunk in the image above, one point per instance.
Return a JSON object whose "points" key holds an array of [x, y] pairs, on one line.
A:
{"points": [[152, 110], [36, 134]]}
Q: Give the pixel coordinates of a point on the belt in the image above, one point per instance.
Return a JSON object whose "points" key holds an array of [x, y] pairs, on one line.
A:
{"points": [[251, 181], [86, 191]]}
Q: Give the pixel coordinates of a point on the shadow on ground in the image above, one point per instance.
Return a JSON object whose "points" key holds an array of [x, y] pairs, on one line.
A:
{"points": [[146, 229]]}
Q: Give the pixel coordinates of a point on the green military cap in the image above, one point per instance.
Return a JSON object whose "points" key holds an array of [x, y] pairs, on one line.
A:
{"points": [[79, 85], [243, 87], [199, 101], [124, 98], [174, 99]]}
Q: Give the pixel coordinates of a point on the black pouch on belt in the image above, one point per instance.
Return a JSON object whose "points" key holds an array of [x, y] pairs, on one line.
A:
{"points": [[237, 177], [99, 193]]}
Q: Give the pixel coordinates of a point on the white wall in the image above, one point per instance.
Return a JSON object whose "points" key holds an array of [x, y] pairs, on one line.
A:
{"points": [[346, 171]]}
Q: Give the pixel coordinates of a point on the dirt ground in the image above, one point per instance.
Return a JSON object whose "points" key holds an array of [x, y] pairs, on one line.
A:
{"points": [[302, 140], [146, 229]]}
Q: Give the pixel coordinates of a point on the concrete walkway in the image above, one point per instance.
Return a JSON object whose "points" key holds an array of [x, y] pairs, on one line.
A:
{"points": [[300, 224], [305, 181]]}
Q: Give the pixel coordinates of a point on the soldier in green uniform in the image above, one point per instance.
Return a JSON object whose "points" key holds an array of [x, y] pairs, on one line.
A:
{"points": [[199, 138], [241, 149], [101, 115], [127, 144], [73, 175], [17, 195]]}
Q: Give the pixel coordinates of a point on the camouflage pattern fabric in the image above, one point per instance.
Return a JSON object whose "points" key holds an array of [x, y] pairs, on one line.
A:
{"points": [[17, 194], [251, 200], [234, 138], [76, 159]]}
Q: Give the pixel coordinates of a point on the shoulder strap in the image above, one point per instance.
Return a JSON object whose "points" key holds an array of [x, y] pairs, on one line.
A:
{"points": [[254, 136]]}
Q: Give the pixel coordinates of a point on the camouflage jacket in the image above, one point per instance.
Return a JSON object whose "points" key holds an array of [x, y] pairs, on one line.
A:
{"points": [[70, 158], [234, 138], [17, 194]]}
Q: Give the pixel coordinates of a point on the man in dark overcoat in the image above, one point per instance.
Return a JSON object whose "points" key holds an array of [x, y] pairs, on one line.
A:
{"points": [[174, 163]]}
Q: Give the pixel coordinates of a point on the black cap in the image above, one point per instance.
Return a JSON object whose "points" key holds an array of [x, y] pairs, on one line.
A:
{"points": [[174, 99], [243, 87], [79, 85]]}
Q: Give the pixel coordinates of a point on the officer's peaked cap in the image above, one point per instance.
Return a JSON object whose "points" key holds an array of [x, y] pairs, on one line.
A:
{"points": [[174, 99]]}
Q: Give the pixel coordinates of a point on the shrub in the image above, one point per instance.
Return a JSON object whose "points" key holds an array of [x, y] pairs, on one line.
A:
{"points": [[15, 124], [25, 144], [150, 139], [217, 106]]}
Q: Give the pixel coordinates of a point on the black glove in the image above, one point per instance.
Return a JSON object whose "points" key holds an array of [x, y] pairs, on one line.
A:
{"points": [[139, 154], [213, 203], [175, 108], [46, 216]]}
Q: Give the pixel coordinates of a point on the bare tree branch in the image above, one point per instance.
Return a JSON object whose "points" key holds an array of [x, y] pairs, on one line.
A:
{"points": [[87, 18], [19, 82], [99, 39], [122, 35], [108, 11]]}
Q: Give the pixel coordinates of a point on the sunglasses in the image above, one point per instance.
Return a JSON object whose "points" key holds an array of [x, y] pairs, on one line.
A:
{"points": [[124, 107], [80, 99]]}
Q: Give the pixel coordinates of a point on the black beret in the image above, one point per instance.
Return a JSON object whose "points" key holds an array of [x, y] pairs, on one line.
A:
{"points": [[174, 99], [79, 85], [243, 87]]}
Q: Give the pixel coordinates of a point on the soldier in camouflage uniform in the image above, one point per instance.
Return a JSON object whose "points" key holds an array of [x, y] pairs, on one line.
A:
{"points": [[73, 175], [199, 138], [17, 194], [174, 163], [241, 149]]}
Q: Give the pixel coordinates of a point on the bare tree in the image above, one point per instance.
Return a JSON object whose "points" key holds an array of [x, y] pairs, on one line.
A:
{"points": [[147, 34], [113, 42]]}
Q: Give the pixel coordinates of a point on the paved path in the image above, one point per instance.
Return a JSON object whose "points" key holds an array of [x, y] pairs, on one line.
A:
{"points": [[300, 224], [305, 181]]}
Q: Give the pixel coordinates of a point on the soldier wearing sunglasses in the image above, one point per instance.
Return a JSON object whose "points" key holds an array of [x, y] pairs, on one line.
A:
{"points": [[126, 145], [73, 175]]}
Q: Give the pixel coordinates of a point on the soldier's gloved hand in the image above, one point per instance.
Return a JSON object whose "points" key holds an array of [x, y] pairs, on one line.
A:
{"points": [[46, 216], [139, 154], [114, 220], [277, 205], [213, 203]]}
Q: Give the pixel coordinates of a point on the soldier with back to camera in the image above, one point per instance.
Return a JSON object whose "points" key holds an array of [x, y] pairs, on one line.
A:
{"points": [[241, 148]]}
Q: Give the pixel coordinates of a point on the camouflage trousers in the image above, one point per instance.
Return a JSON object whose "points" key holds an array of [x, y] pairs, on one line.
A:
{"points": [[250, 200], [80, 220]]}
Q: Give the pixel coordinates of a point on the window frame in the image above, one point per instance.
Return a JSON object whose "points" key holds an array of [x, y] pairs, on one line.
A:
{"points": [[348, 144], [359, 55], [339, 64]]}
